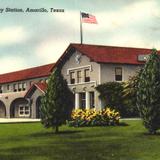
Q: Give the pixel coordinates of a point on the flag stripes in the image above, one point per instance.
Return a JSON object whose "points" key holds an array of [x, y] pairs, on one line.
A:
{"points": [[88, 18]]}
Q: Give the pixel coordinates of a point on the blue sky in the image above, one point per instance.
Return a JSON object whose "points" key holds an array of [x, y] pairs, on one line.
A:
{"points": [[33, 39]]}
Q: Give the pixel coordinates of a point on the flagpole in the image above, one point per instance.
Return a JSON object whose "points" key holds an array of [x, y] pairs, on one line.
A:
{"points": [[81, 31]]}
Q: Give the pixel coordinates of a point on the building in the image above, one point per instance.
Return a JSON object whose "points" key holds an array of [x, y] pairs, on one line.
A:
{"points": [[86, 66], [83, 66], [20, 92]]}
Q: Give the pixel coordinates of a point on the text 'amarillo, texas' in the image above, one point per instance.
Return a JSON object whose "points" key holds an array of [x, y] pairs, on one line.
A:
{"points": [[30, 10]]}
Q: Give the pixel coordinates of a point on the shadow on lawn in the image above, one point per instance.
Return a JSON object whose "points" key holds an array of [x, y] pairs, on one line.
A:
{"points": [[49, 134], [123, 124], [69, 132], [26, 153], [149, 134]]}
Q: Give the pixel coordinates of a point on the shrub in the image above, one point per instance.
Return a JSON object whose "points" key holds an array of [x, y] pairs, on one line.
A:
{"points": [[112, 95], [92, 117], [120, 96], [129, 95]]}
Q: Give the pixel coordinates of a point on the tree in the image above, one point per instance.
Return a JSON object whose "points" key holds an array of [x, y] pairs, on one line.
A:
{"points": [[111, 94], [56, 104], [148, 93]]}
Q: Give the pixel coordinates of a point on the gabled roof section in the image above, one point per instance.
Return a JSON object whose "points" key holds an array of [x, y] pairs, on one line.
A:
{"points": [[30, 73], [42, 86], [108, 54], [112, 54]]}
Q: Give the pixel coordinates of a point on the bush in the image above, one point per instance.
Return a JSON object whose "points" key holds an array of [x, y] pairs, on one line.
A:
{"points": [[112, 95], [129, 95], [91, 117], [120, 96]]}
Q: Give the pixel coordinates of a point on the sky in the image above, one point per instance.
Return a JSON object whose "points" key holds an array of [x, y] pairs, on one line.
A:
{"points": [[34, 39]]}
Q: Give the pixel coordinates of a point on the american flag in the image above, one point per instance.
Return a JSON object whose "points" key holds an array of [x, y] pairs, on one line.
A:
{"points": [[88, 18]]}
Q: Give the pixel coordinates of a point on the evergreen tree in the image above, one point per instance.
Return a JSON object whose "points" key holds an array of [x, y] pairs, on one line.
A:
{"points": [[56, 104], [148, 93]]}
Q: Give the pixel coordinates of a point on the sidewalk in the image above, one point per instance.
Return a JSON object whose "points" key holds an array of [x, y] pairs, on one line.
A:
{"points": [[130, 119], [26, 120], [18, 120]]}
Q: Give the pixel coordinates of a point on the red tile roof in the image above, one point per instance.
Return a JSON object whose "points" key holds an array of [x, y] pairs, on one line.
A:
{"points": [[97, 53], [111, 54], [30, 73], [107, 54], [42, 86]]}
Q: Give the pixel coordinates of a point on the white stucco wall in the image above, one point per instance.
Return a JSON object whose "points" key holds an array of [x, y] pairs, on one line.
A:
{"points": [[84, 62], [108, 71]]}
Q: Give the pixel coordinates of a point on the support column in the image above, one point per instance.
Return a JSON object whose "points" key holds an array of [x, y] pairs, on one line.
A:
{"points": [[77, 101], [87, 100], [8, 112], [97, 101]]}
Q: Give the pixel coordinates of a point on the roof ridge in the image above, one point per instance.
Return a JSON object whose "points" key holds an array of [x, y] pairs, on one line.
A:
{"points": [[27, 69], [99, 45]]}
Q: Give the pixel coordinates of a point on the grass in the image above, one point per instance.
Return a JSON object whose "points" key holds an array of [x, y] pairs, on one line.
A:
{"points": [[30, 141]]}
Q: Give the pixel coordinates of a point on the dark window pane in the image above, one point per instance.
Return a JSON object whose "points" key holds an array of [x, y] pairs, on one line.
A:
{"points": [[118, 74], [118, 77], [87, 79], [92, 99], [87, 76], [72, 77], [82, 100], [26, 112]]}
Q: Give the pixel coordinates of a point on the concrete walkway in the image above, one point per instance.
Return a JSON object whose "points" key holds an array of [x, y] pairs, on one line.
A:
{"points": [[130, 119], [18, 120], [26, 120]]}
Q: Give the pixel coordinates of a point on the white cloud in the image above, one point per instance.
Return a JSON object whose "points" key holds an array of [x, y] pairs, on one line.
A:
{"points": [[50, 50], [12, 63], [70, 19], [130, 40], [133, 14], [12, 35]]}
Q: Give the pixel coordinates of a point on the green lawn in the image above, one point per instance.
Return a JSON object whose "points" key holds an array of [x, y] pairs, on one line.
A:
{"points": [[30, 141]]}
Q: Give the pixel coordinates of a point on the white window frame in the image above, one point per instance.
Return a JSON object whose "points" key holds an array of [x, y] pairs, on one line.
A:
{"points": [[20, 87], [24, 110], [79, 68], [79, 76], [24, 86], [15, 87]]}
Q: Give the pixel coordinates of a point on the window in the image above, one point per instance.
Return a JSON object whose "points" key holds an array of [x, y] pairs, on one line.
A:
{"points": [[1, 89], [23, 86], [19, 86], [92, 100], [82, 100], [24, 111], [86, 75], [118, 74], [14, 87], [72, 77], [8, 87], [79, 77]]}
